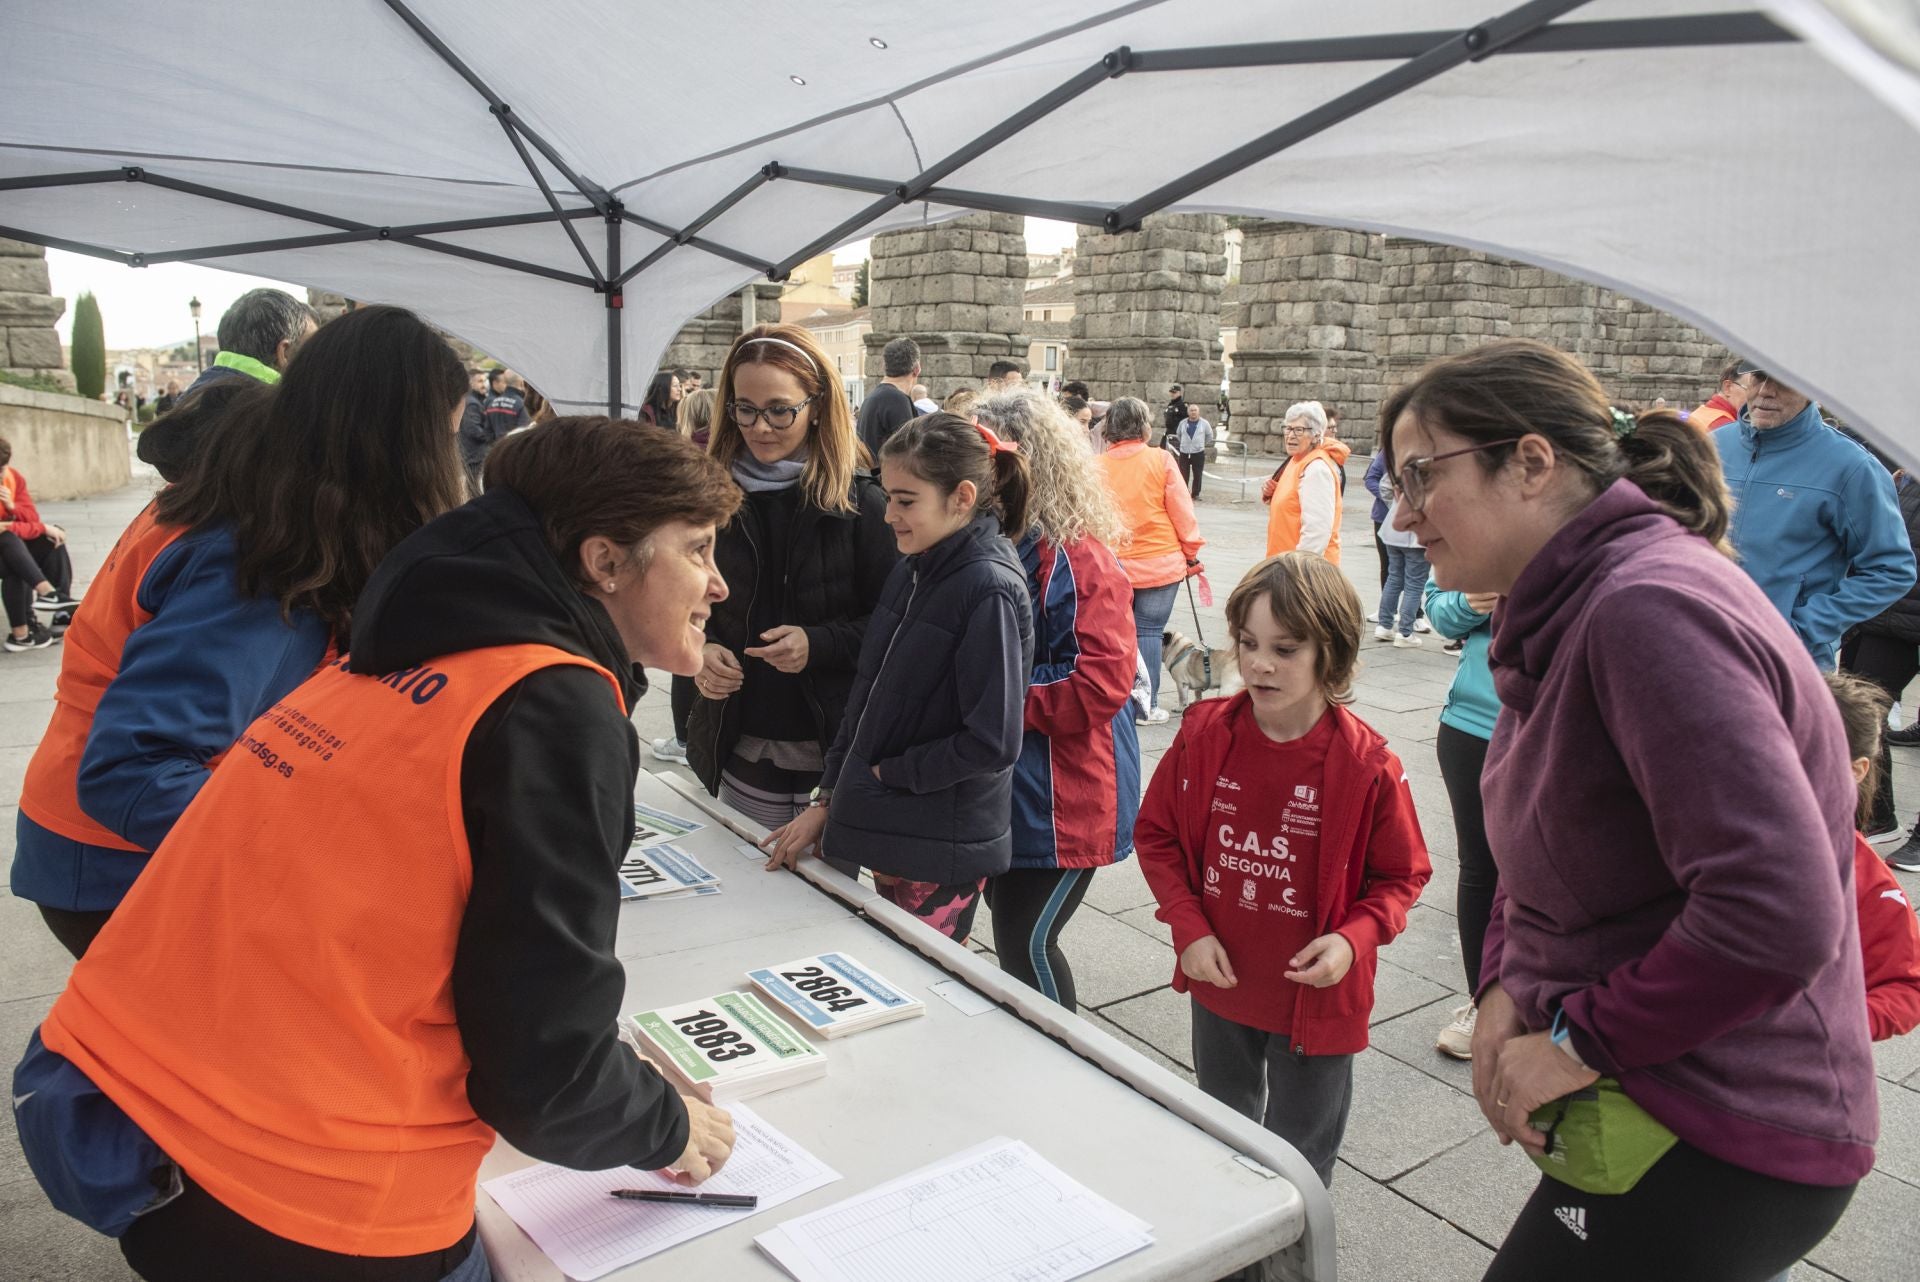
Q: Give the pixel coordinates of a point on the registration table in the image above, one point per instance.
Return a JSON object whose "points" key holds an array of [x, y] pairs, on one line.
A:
{"points": [[1219, 1191]]}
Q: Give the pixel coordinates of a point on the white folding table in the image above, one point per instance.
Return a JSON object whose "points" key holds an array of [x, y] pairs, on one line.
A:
{"points": [[1220, 1191]]}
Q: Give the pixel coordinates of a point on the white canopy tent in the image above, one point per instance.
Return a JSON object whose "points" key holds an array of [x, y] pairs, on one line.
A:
{"points": [[565, 182]]}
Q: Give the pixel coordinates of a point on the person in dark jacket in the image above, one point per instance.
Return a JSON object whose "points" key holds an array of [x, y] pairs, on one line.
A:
{"points": [[1076, 787], [506, 634], [258, 336], [473, 435], [1886, 651], [505, 410], [918, 786], [809, 553], [1171, 417]]}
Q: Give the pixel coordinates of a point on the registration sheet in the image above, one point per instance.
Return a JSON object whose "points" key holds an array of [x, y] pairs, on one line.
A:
{"points": [[574, 1218], [998, 1212]]}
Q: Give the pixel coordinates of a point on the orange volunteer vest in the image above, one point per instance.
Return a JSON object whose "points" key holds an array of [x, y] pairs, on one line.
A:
{"points": [[1138, 484], [89, 661], [1283, 514], [273, 1002]]}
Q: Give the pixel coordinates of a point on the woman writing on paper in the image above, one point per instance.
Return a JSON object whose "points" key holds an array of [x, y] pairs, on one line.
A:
{"points": [[384, 930]]}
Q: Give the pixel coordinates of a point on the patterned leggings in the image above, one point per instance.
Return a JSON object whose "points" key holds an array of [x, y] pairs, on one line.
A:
{"points": [[948, 909]]}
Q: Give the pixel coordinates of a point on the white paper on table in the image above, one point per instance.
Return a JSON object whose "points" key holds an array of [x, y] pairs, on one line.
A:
{"points": [[998, 1212], [573, 1217]]}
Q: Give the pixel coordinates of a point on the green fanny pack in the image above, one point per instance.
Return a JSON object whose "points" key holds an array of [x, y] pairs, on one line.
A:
{"points": [[1598, 1140]]}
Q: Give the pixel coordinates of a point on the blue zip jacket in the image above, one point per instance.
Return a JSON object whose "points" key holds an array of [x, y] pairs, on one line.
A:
{"points": [[1472, 706], [1817, 526], [1376, 469], [191, 679]]}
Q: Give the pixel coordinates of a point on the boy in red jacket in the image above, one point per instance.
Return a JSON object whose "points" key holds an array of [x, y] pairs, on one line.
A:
{"points": [[1889, 932], [1280, 838]]}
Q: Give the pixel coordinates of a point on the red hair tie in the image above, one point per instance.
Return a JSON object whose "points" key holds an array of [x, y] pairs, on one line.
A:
{"points": [[994, 443]]}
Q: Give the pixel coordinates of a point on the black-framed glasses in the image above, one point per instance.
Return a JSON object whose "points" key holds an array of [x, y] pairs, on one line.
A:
{"points": [[778, 417], [1416, 475]]}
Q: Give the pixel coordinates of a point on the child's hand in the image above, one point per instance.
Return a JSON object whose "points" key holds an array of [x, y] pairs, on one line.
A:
{"points": [[798, 836], [1206, 961], [1322, 963]]}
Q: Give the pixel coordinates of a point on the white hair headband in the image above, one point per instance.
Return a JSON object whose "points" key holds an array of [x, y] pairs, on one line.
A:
{"points": [[766, 338]]}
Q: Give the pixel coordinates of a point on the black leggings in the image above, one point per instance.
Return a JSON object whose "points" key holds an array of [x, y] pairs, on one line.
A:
{"points": [[1462, 757], [24, 563], [1889, 664], [74, 930], [682, 694], [1029, 907], [196, 1237], [1691, 1216]]}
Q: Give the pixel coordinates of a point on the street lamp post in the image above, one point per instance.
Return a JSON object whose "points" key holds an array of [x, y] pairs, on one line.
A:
{"points": [[199, 361]]}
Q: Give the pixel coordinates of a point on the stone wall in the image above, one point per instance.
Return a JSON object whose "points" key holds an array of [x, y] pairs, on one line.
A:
{"points": [[28, 310], [1343, 317], [954, 288], [702, 344], [68, 447], [1309, 324], [1147, 308]]}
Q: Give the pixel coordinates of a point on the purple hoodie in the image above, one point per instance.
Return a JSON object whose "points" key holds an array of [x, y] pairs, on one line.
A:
{"points": [[1669, 803]]}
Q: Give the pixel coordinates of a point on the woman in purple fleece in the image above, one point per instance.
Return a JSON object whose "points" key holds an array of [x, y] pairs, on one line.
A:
{"points": [[1669, 805]]}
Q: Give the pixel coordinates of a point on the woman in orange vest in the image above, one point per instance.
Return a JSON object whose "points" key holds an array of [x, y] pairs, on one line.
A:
{"points": [[402, 895], [1303, 497], [1157, 509], [225, 593]]}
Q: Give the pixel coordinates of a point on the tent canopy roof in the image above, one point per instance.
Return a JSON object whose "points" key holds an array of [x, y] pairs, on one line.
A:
{"points": [[566, 192]]}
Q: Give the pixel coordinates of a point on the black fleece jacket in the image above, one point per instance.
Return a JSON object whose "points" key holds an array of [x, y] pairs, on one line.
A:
{"points": [[547, 794]]}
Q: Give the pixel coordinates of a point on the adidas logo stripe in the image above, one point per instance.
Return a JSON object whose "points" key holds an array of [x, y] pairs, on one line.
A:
{"points": [[1575, 1218]]}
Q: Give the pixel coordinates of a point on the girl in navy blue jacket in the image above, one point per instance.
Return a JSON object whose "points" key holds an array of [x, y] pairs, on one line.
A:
{"points": [[918, 784]]}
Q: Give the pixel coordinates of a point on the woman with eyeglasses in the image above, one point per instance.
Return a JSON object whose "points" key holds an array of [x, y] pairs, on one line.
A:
{"points": [[1672, 1015], [807, 554], [1303, 494]]}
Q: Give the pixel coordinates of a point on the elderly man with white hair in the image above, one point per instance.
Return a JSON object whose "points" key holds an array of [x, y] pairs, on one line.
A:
{"points": [[1303, 496]]}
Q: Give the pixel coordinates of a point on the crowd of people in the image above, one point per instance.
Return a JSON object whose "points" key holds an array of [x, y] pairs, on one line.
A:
{"points": [[389, 609]]}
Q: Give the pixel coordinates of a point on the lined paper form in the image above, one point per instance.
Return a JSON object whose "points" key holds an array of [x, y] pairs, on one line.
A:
{"points": [[996, 1213], [573, 1217]]}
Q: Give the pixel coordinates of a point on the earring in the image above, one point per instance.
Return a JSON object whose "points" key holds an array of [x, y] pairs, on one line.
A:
{"points": [[609, 585]]}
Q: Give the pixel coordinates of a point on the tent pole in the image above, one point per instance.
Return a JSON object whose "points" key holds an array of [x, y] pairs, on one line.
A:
{"points": [[616, 391]]}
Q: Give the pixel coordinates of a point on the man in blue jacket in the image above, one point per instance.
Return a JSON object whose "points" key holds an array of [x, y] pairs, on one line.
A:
{"points": [[1815, 519]]}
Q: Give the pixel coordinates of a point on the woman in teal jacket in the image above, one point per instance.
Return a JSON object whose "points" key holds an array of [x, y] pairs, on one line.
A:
{"points": [[1466, 724]]}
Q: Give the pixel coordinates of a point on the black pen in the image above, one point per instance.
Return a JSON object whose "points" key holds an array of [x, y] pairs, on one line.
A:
{"points": [[736, 1201]]}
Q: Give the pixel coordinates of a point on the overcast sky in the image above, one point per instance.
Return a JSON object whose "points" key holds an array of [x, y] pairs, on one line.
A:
{"points": [[147, 306]]}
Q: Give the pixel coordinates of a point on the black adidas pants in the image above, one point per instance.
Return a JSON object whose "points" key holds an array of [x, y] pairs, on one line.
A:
{"points": [[1692, 1218]]}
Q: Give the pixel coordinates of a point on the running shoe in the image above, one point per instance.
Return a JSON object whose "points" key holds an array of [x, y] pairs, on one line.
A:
{"points": [[669, 749], [37, 638], [1456, 1039]]}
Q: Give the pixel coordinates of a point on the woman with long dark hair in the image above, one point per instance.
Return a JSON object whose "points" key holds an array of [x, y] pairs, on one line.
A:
{"points": [[384, 934], [662, 407], [808, 555], [1672, 1015], [226, 592]]}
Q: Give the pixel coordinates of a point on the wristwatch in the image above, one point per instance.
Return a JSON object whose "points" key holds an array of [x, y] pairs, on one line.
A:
{"points": [[819, 797], [1562, 1035]]}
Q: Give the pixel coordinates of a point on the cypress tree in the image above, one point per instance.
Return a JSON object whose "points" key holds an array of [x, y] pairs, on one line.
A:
{"points": [[89, 348], [862, 282]]}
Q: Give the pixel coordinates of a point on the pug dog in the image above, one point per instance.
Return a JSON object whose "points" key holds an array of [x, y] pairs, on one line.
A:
{"points": [[1195, 668]]}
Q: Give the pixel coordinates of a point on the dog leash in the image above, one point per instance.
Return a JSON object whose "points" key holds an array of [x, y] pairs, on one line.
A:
{"points": [[1199, 635]]}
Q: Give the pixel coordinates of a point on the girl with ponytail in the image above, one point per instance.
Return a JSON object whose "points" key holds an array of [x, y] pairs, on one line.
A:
{"points": [[1670, 808], [918, 785]]}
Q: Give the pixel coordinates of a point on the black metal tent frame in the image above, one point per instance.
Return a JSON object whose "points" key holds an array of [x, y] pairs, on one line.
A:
{"points": [[1420, 55]]}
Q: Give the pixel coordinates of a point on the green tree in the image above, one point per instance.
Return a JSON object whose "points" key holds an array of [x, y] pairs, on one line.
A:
{"points": [[89, 348], [860, 283]]}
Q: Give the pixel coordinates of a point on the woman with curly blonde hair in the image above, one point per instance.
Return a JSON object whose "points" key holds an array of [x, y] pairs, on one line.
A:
{"points": [[1076, 786]]}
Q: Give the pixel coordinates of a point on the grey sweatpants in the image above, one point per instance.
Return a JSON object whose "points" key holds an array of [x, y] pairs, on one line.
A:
{"points": [[1301, 1098]]}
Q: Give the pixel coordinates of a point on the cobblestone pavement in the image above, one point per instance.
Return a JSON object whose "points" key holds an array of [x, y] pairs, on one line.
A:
{"points": [[1423, 1191]]}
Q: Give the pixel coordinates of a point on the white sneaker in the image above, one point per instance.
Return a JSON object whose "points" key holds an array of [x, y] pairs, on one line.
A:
{"points": [[1383, 634], [1406, 643], [668, 749], [1153, 718], [1421, 625], [1456, 1039]]}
